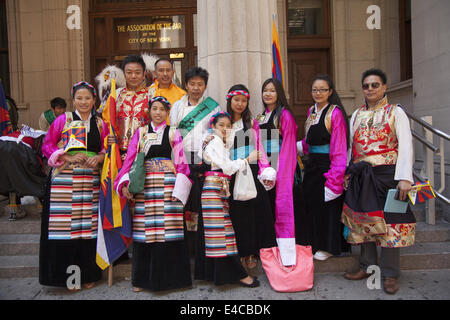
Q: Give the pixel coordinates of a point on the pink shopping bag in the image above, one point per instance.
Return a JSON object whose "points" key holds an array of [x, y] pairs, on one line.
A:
{"points": [[289, 279]]}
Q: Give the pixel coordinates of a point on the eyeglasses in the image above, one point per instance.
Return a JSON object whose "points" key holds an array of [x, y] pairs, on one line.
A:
{"points": [[374, 85], [320, 90]]}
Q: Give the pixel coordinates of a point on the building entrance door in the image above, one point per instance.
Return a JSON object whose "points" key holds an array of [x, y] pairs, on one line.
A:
{"points": [[308, 46], [303, 67], [162, 28]]}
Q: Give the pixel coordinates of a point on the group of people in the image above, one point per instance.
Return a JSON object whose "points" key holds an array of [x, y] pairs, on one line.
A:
{"points": [[193, 150]]}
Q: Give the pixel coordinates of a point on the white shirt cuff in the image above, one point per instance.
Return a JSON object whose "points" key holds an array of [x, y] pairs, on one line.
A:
{"points": [[270, 174], [330, 195], [125, 179], [182, 188], [299, 148]]}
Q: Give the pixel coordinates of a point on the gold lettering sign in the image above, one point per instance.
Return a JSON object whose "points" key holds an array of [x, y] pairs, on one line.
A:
{"points": [[149, 33]]}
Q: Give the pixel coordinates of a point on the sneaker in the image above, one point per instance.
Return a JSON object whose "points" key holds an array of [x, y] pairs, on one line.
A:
{"points": [[322, 255], [16, 212]]}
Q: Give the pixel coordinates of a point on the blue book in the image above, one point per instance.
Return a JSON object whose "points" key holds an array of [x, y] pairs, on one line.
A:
{"points": [[393, 204]]}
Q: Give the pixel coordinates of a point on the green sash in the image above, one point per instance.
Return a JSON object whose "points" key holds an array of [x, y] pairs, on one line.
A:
{"points": [[197, 115], [49, 116], [88, 153]]}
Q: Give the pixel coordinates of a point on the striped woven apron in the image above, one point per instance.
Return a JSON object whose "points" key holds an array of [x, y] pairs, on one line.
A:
{"points": [[220, 240], [157, 218], [74, 197]]}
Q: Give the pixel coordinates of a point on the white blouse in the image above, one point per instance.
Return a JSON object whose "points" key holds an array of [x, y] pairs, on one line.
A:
{"points": [[218, 155]]}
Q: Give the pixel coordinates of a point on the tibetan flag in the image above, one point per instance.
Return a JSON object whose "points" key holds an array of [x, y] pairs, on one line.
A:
{"points": [[5, 122], [421, 192], [114, 227], [277, 65], [74, 138]]}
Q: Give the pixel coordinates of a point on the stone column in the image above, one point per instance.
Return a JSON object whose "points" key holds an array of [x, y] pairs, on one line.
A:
{"points": [[234, 45]]}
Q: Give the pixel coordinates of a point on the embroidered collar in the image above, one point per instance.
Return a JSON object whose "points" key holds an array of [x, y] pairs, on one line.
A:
{"points": [[139, 89], [238, 125], [268, 112], [320, 112], [159, 127], [380, 104], [188, 104], [79, 115]]}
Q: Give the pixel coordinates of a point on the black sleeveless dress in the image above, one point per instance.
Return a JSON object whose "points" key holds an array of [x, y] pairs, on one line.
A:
{"points": [[55, 256], [253, 221], [327, 230], [160, 266]]}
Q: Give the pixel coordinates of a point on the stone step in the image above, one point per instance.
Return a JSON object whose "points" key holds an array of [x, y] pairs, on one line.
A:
{"points": [[422, 256], [19, 266], [19, 244], [440, 232], [420, 214], [27, 225], [28, 244], [32, 224]]}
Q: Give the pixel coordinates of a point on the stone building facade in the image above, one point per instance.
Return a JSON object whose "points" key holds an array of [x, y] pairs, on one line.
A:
{"points": [[232, 39]]}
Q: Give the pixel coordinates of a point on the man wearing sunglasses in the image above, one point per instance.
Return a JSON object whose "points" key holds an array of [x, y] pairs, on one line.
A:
{"points": [[381, 159]]}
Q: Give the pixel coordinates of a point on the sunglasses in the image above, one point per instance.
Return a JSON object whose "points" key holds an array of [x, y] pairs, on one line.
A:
{"points": [[374, 85]]}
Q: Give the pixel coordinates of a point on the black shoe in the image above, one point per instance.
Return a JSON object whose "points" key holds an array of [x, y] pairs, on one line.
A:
{"points": [[254, 284]]}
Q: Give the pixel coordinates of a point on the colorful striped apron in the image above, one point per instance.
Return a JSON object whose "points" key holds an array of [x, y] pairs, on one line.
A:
{"points": [[220, 240], [157, 218], [74, 197]]}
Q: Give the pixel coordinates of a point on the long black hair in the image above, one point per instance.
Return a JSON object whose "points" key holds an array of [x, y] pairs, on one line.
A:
{"points": [[246, 115], [281, 103], [334, 99]]}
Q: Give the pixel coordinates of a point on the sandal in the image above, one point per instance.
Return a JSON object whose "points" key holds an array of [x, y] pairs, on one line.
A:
{"points": [[137, 289], [89, 285]]}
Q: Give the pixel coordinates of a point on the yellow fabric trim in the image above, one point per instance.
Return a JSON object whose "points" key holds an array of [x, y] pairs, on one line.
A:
{"points": [[328, 117], [101, 263]]}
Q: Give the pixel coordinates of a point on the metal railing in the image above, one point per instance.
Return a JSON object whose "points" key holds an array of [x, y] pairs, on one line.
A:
{"points": [[430, 150]]}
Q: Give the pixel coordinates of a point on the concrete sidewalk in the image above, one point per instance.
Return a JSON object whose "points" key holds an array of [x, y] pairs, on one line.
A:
{"points": [[414, 285]]}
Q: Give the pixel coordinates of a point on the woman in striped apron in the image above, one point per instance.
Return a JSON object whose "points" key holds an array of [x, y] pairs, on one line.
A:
{"points": [[252, 220], [74, 149], [217, 257], [160, 258], [325, 150]]}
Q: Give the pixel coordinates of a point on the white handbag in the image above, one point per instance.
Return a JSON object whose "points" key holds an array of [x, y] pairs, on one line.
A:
{"points": [[244, 185]]}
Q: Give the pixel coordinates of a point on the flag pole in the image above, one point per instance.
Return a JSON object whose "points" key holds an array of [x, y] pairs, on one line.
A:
{"points": [[111, 268], [110, 276]]}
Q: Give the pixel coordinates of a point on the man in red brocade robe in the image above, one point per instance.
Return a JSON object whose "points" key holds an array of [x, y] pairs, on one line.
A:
{"points": [[132, 102], [381, 160]]}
